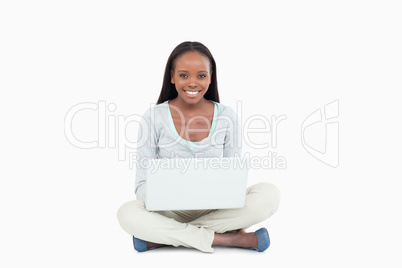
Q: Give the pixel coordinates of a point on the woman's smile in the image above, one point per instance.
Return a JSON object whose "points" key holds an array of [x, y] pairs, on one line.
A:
{"points": [[192, 94]]}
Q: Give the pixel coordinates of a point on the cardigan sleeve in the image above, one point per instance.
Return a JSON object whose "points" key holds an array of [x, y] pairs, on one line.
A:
{"points": [[146, 149], [233, 135]]}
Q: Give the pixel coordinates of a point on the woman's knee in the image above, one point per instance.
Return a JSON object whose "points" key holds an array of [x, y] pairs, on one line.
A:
{"points": [[265, 200], [128, 215], [272, 194]]}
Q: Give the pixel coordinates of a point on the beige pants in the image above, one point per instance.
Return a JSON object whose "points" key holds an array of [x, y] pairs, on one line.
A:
{"points": [[196, 228]]}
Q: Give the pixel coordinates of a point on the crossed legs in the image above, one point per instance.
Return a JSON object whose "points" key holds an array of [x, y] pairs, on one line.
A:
{"points": [[201, 229]]}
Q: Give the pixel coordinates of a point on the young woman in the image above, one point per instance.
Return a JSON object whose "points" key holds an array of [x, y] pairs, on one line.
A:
{"points": [[189, 121]]}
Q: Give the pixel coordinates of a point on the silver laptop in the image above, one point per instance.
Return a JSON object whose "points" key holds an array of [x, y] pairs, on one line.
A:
{"points": [[196, 183]]}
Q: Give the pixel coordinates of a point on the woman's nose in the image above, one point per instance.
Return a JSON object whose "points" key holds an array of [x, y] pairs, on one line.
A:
{"points": [[192, 83]]}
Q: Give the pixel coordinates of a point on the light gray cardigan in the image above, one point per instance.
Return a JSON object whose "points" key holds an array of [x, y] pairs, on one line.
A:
{"points": [[158, 138]]}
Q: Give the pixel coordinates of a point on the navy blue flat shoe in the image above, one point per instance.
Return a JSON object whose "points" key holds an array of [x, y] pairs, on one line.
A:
{"points": [[140, 245], [263, 240]]}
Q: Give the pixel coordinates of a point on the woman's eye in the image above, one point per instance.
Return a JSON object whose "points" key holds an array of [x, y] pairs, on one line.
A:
{"points": [[202, 76], [183, 75]]}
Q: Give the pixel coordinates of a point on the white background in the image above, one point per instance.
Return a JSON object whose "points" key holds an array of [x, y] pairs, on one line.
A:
{"points": [[59, 202]]}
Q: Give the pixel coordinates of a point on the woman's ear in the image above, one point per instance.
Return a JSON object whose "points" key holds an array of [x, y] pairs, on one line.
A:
{"points": [[171, 76]]}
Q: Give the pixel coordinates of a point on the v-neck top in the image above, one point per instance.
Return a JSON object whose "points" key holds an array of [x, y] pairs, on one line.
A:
{"points": [[193, 144]]}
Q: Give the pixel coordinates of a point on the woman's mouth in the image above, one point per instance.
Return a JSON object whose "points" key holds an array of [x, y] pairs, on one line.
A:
{"points": [[191, 93]]}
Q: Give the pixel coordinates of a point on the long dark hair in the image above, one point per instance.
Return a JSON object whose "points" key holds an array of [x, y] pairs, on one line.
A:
{"points": [[168, 91]]}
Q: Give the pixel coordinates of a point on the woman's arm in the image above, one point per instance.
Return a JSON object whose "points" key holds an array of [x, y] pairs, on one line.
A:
{"points": [[233, 136], [146, 150]]}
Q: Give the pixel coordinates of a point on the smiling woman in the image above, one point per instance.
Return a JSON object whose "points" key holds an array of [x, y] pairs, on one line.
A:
{"points": [[189, 121], [191, 75], [182, 57], [190, 89]]}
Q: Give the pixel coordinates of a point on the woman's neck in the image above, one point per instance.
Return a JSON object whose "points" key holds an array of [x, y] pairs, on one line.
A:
{"points": [[189, 107]]}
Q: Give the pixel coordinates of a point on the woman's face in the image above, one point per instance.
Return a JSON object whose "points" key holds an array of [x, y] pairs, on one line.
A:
{"points": [[191, 76]]}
